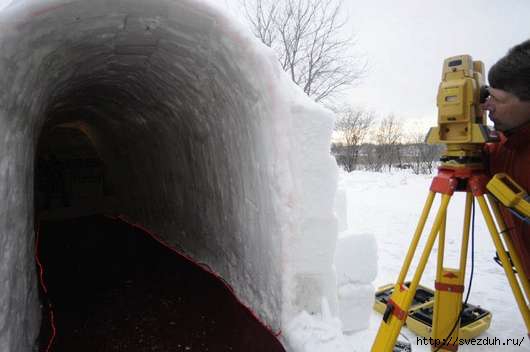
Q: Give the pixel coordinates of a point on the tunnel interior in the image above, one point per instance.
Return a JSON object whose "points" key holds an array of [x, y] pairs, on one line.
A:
{"points": [[128, 129], [109, 286], [146, 116], [168, 114]]}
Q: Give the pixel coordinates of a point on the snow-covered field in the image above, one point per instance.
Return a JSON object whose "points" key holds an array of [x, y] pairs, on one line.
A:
{"points": [[388, 205]]}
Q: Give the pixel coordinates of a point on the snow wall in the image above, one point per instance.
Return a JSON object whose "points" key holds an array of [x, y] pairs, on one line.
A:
{"points": [[206, 141]]}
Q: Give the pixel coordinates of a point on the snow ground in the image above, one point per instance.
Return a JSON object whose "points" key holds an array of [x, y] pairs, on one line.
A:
{"points": [[388, 205]]}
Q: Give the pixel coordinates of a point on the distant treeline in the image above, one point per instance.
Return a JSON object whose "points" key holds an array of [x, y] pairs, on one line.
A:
{"points": [[421, 158]]}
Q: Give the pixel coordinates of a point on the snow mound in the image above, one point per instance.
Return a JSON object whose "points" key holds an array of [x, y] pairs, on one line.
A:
{"points": [[317, 333]]}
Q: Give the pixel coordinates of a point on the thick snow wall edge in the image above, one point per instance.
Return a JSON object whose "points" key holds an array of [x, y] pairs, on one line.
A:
{"points": [[206, 141]]}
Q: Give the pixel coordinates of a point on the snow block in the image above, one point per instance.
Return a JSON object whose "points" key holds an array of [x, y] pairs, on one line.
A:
{"points": [[355, 305], [356, 259], [355, 291]]}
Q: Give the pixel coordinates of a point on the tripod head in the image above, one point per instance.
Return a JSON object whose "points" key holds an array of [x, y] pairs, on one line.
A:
{"points": [[461, 122]]}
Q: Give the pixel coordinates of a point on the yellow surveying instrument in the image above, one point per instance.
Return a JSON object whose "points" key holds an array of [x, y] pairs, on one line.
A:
{"points": [[462, 128], [511, 195]]}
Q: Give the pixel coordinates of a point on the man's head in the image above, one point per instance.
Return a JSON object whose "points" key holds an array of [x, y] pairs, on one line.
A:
{"points": [[509, 78]]}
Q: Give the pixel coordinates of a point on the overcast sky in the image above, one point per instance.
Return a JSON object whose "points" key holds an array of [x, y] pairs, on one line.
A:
{"points": [[406, 41]]}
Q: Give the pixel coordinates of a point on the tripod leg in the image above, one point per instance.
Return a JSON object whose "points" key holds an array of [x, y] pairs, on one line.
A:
{"points": [[511, 249], [401, 299], [441, 249], [519, 298], [465, 231], [449, 290]]}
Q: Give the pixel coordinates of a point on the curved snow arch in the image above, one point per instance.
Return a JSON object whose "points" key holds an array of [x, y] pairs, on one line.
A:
{"points": [[208, 143]]}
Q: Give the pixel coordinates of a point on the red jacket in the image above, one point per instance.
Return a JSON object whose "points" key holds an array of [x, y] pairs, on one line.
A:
{"points": [[512, 156]]}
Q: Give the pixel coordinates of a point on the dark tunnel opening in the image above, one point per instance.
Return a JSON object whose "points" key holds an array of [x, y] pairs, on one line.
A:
{"points": [[112, 287], [107, 286], [70, 176]]}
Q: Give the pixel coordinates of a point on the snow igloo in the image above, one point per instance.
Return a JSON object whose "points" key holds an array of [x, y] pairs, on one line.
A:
{"points": [[204, 139]]}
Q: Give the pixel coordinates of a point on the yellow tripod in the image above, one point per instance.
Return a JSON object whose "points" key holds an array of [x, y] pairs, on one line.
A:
{"points": [[449, 285]]}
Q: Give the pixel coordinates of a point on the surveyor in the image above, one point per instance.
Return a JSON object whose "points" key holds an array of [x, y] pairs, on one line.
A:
{"points": [[508, 106]]}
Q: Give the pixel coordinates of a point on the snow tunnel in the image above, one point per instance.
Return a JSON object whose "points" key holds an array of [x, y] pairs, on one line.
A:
{"points": [[194, 131]]}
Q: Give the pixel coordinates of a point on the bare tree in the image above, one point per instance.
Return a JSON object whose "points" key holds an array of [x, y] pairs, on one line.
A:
{"points": [[353, 124], [388, 138], [309, 38], [261, 15]]}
